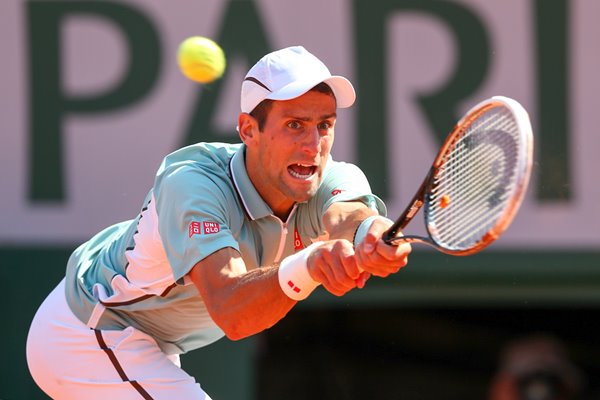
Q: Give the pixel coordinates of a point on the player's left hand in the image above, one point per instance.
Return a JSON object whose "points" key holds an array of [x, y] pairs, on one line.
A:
{"points": [[378, 258]]}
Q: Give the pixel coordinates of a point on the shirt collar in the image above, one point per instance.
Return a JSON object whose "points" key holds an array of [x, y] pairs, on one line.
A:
{"points": [[253, 203]]}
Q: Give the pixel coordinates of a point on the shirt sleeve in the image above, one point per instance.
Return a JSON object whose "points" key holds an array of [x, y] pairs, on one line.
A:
{"points": [[341, 182], [194, 218]]}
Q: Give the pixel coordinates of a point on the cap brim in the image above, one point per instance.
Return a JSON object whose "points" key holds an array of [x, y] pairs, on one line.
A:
{"points": [[343, 90], [341, 87]]}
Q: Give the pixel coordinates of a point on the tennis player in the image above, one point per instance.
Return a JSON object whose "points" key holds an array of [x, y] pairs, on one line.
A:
{"points": [[228, 240]]}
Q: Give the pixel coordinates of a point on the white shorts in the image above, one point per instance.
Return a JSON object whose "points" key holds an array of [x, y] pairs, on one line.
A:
{"points": [[68, 360]]}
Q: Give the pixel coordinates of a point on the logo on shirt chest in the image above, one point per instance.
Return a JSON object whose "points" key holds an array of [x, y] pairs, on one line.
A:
{"points": [[204, 227], [298, 245]]}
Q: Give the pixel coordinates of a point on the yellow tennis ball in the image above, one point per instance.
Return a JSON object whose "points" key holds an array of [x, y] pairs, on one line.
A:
{"points": [[201, 59]]}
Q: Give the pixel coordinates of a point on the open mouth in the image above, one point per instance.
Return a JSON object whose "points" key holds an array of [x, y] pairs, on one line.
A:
{"points": [[302, 171]]}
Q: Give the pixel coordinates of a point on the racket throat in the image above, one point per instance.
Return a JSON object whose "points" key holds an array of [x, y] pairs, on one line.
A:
{"points": [[429, 242], [415, 205], [411, 239]]}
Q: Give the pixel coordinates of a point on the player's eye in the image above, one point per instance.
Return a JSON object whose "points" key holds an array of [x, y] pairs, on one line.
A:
{"points": [[324, 125], [294, 125]]}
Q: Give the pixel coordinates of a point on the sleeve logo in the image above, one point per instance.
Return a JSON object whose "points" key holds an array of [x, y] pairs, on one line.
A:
{"points": [[206, 227], [335, 192]]}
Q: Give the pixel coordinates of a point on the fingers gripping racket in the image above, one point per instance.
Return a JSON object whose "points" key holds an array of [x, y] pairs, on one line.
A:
{"points": [[477, 181]]}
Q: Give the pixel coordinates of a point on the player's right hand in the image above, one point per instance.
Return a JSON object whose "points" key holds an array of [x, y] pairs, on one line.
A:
{"points": [[334, 264]]}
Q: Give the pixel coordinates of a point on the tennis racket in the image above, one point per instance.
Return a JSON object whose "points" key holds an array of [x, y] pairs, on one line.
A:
{"points": [[476, 183]]}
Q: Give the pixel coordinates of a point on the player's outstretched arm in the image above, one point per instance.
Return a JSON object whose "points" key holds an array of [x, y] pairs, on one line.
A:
{"points": [[243, 303]]}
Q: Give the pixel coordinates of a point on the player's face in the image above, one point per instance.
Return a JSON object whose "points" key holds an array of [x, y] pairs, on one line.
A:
{"points": [[292, 150]]}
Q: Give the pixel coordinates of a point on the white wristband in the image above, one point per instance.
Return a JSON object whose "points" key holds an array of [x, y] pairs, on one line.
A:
{"points": [[294, 279], [364, 226]]}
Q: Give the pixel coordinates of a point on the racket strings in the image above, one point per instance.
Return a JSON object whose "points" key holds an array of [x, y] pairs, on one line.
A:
{"points": [[479, 211], [469, 230], [475, 180], [475, 215]]}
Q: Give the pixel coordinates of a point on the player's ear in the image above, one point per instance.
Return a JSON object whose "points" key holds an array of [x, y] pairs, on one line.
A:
{"points": [[247, 128]]}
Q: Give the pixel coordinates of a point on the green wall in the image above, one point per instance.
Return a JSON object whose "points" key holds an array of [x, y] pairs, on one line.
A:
{"points": [[490, 279]]}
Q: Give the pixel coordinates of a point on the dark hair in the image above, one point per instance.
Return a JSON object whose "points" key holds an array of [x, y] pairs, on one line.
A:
{"points": [[261, 111]]}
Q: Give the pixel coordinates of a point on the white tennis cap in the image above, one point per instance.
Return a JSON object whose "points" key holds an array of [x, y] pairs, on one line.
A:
{"points": [[288, 73]]}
